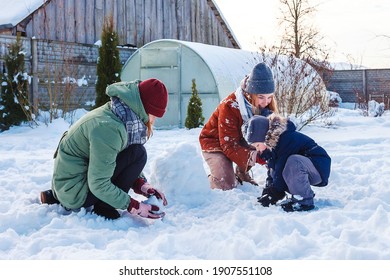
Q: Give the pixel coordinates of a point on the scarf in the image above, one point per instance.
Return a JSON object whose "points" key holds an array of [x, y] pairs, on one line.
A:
{"points": [[244, 105], [136, 129]]}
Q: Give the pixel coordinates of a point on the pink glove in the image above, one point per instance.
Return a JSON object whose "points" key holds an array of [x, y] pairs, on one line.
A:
{"points": [[144, 210], [146, 189]]}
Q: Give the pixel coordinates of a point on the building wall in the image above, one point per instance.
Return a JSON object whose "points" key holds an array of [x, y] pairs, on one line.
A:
{"points": [[62, 73], [137, 22]]}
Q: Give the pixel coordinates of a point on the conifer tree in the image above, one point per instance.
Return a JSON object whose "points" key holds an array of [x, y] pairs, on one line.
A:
{"points": [[14, 103], [108, 65], [194, 110]]}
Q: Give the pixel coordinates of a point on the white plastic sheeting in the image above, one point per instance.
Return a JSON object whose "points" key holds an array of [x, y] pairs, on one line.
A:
{"points": [[217, 71]]}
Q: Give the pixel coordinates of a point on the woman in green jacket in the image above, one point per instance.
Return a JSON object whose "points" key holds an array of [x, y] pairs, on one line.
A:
{"points": [[101, 157]]}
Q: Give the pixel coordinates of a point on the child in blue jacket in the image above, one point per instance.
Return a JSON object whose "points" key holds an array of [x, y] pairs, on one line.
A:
{"points": [[295, 161]]}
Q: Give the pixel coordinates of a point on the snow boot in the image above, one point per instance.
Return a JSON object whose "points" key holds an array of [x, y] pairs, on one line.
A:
{"points": [[242, 176], [294, 206], [47, 197]]}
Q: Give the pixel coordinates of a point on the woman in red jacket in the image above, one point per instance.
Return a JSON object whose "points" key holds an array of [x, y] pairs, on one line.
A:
{"points": [[221, 138]]}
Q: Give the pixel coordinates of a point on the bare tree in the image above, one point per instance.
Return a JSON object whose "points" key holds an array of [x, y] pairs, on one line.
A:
{"points": [[300, 37], [299, 89], [300, 66], [59, 77], [386, 36], [353, 62]]}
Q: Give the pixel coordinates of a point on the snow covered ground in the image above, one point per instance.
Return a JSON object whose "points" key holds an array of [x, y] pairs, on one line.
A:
{"points": [[352, 222]]}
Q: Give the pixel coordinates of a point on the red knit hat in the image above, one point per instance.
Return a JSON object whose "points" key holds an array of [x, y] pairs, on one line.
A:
{"points": [[154, 96]]}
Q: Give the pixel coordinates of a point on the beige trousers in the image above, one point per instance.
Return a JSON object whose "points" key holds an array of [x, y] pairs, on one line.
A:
{"points": [[222, 175]]}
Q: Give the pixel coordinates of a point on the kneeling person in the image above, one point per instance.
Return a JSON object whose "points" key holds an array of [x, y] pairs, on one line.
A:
{"points": [[295, 160]]}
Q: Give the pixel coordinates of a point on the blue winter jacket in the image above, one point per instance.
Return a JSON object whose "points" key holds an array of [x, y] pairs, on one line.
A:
{"points": [[283, 141]]}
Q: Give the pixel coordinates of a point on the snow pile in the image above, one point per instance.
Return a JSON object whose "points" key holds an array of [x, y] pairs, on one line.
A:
{"points": [[352, 221]]}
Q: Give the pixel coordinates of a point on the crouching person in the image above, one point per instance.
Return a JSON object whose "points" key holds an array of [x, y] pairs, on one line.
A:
{"points": [[296, 162], [101, 157]]}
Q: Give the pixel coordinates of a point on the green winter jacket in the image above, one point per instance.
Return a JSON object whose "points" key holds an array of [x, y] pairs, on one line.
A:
{"points": [[86, 156]]}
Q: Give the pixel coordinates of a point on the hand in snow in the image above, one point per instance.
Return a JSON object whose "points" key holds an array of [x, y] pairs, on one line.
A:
{"points": [[146, 189], [144, 210], [270, 196]]}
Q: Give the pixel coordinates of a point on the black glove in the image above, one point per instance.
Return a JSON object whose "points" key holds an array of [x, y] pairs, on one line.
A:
{"points": [[268, 182], [270, 195], [266, 155]]}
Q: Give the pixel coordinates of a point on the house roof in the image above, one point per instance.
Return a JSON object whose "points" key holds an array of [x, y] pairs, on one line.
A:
{"points": [[13, 12], [225, 26]]}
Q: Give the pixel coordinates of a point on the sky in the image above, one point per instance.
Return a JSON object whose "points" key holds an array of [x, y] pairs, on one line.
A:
{"points": [[352, 28], [350, 222]]}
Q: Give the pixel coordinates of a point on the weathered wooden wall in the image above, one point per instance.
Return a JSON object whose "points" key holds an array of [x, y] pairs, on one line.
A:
{"points": [[137, 22]]}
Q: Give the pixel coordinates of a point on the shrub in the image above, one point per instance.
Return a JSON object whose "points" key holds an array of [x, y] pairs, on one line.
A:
{"points": [[299, 89], [14, 103], [108, 65], [194, 110]]}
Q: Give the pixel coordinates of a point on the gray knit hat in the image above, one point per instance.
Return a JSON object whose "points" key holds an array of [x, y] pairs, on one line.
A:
{"points": [[255, 129], [260, 80]]}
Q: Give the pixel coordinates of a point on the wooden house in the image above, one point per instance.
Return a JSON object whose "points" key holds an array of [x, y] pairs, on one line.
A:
{"points": [[137, 22], [59, 38]]}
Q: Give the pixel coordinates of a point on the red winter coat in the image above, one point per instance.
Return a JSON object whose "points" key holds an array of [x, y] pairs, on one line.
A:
{"points": [[222, 133]]}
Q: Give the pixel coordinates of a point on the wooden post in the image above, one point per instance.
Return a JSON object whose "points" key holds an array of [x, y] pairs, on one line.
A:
{"points": [[365, 91], [34, 73]]}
